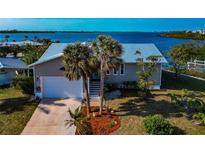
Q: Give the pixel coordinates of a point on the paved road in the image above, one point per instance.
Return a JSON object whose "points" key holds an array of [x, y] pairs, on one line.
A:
{"points": [[49, 118]]}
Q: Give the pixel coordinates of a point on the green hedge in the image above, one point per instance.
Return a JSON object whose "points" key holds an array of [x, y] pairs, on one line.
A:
{"points": [[24, 83]]}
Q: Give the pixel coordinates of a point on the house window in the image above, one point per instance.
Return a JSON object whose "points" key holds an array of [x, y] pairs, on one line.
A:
{"points": [[122, 69], [108, 72], [115, 71]]}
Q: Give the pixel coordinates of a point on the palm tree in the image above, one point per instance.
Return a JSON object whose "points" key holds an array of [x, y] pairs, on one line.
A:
{"points": [[79, 121], [15, 49], [108, 53], [6, 37], [4, 51], [79, 62]]}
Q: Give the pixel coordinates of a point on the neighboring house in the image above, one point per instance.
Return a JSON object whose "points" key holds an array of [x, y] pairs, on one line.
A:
{"points": [[19, 43], [49, 77], [9, 68]]}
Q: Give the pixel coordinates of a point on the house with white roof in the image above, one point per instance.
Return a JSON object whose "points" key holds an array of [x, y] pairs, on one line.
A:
{"points": [[9, 68], [50, 82], [20, 43]]}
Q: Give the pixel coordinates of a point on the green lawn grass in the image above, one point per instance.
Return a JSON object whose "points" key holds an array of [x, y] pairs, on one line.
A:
{"points": [[10, 92], [15, 110], [132, 109]]}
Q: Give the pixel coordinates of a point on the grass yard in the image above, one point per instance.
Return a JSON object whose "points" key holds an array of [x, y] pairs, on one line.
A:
{"points": [[15, 110], [132, 110]]}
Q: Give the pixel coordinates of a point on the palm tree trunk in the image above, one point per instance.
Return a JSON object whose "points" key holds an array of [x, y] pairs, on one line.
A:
{"points": [[85, 81], [102, 78]]}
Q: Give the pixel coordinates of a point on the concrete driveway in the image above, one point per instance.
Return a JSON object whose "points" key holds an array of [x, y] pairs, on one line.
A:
{"points": [[49, 118]]}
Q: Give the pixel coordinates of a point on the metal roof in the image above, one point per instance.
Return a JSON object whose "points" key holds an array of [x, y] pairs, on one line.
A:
{"points": [[146, 50], [12, 63], [55, 50]]}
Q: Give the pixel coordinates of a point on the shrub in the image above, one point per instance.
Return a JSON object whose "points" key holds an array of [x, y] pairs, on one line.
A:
{"points": [[111, 124], [196, 104], [157, 125], [187, 99], [173, 98], [129, 85], [184, 94], [198, 116], [24, 83], [203, 121], [110, 87]]}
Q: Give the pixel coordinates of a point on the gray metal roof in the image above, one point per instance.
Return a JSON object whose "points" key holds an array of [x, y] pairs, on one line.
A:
{"points": [[146, 50], [12, 63], [55, 50]]}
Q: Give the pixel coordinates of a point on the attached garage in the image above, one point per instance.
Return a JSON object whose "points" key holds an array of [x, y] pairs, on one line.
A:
{"points": [[60, 87]]}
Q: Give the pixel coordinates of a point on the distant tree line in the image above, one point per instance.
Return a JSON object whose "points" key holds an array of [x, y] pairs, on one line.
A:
{"points": [[24, 31], [34, 38], [54, 31], [26, 37], [28, 53], [185, 35]]}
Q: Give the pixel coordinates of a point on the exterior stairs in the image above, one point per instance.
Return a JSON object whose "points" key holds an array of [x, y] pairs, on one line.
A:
{"points": [[94, 88]]}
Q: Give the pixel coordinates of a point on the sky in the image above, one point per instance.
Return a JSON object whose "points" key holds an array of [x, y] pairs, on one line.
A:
{"points": [[103, 24]]}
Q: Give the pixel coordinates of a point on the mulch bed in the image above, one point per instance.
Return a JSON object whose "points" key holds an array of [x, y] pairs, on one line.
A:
{"points": [[105, 124]]}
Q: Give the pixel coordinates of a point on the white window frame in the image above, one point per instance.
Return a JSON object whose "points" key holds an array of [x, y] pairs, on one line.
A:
{"points": [[123, 69], [117, 71]]}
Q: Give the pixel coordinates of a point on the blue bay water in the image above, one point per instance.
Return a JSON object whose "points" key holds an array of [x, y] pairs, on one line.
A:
{"points": [[164, 44]]}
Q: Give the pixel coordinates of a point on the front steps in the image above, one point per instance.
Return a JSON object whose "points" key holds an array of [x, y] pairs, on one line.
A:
{"points": [[94, 88]]}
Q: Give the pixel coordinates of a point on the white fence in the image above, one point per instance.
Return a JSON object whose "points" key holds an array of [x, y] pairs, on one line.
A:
{"points": [[196, 65]]}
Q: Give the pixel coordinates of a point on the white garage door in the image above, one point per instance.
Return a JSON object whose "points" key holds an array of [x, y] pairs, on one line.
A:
{"points": [[60, 87]]}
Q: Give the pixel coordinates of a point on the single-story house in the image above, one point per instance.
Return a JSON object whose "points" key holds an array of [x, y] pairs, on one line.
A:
{"points": [[20, 43], [49, 80], [9, 68]]}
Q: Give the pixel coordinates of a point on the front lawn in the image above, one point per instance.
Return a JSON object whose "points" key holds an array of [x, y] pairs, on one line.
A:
{"points": [[132, 109], [15, 110]]}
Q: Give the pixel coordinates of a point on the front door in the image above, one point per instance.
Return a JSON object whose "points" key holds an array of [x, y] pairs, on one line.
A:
{"points": [[96, 76]]}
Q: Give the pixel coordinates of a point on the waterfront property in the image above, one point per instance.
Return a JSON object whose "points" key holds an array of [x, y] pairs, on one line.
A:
{"points": [[49, 80]]}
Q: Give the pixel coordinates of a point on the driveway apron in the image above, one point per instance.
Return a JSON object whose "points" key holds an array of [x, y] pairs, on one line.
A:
{"points": [[49, 118]]}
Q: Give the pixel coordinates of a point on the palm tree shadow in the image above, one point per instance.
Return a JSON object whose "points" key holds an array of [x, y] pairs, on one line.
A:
{"points": [[178, 131], [140, 107], [44, 103], [52, 103], [44, 109], [11, 105], [143, 108]]}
